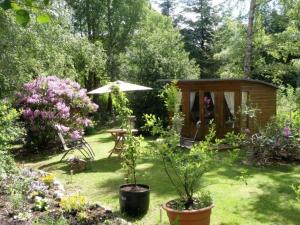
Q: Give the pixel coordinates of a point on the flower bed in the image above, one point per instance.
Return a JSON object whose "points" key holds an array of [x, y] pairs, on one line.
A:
{"points": [[33, 197]]}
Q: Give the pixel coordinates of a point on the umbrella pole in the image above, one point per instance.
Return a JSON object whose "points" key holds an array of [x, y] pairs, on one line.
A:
{"points": [[110, 108]]}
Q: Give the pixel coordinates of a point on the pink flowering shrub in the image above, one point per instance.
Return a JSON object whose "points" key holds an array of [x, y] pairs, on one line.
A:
{"points": [[275, 142], [51, 103]]}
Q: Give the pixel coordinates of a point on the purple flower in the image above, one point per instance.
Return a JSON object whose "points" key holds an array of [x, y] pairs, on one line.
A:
{"points": [[85, 122], [75, 135], [51, 100], [286, 132], [62, 128], [36, 113], [47, 115], [27, 113]]}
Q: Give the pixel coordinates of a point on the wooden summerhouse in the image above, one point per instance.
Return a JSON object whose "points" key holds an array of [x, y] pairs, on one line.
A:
{"points": [[233, 104]]}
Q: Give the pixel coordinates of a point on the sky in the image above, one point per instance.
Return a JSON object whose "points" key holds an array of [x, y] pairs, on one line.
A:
{"points": [[236, 9]]}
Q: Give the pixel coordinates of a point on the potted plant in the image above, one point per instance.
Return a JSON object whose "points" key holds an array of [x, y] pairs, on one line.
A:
{"points": [[134, 198], [184, 170]]}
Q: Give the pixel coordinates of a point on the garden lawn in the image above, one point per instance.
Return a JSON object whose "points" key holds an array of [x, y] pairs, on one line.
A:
{"points": [[266, 199]]}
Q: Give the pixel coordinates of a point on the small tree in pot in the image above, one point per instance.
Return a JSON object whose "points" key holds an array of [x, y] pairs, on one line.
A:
{"points": [[134, 198], [184, 170]]}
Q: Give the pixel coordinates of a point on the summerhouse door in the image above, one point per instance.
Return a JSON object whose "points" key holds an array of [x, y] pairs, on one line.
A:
{"points": [[203, 106], [206, 106], [210, 104]]}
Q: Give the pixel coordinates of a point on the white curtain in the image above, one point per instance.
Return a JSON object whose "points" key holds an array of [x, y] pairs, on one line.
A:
{"points": [[229, 97], [192, 99], [212, 94]]}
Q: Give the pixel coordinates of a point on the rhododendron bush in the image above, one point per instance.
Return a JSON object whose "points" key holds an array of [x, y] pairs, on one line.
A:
{"points": [[50, 104]]}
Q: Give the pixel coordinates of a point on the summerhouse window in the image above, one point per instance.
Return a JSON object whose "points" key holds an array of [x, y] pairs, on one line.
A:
{"points": [[209, 106], [229, 109], [194, 106]]}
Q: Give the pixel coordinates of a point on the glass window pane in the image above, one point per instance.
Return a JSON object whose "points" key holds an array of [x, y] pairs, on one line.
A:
{"points": [[228, 106], [244, 106], [209, 106], [194, 106]]}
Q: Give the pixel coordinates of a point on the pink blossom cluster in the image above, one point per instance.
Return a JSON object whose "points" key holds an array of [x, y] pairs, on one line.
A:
{"points": [[50, 100], [286, 132]]}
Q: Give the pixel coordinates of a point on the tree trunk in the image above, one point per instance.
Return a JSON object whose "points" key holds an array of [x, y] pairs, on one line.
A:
{"points": [[249, 40]]}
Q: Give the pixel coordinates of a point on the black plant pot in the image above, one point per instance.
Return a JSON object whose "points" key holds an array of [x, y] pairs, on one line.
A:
{"points": [[134, 201]]}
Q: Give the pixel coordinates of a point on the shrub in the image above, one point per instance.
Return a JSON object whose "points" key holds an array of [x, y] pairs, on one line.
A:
{"points": [[9, 131], [73, 203], [275, 142], [183, 168], [49, 102]]}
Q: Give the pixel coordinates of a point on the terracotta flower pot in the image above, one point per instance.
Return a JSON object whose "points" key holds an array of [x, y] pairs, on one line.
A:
{"points": [[189, 217]]}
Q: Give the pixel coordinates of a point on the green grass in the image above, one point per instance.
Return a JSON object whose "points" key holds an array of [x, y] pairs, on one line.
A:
{"points": [[267, 199]]}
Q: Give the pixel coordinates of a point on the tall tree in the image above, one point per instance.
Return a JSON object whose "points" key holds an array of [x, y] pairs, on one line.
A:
{"points": [[199, 34], [249, 39], [111, 21], [156, 52], [167, 7]]}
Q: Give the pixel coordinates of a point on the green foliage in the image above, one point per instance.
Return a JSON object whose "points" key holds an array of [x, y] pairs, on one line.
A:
{"points": [[172, 97], [82, 216], [48, 220], [276, 47], [198, 34], [9, 131], [184, 169], [40, 204], [130, 154], [276, 142], [24, 8], [296, 189], [121, 105], [112, 22], [229, 48], [17, 200], [288, 105], [155, 52], [73, 203], [167, 7], [202, 200]]}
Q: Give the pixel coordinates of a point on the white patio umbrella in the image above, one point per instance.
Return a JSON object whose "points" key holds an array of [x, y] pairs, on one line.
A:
{"points": [[123, 86]]}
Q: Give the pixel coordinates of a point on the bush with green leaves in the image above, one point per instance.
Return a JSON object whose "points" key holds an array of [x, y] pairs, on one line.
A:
{"points": [[9, 131], [184, 168], [121, 106], [171, 96], [288, 106], [275, 142], [131, 154]]}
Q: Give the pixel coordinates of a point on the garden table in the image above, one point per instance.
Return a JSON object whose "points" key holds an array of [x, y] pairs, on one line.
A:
{"points": [[119, 138]]}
